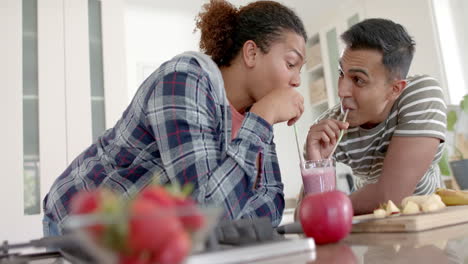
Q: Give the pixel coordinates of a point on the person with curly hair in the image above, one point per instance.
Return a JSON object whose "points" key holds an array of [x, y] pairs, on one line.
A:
{"points": [[204, 118]]}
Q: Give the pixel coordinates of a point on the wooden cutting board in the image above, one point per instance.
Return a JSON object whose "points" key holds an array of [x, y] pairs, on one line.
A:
{"points": [[413, 239], [411, 223]]}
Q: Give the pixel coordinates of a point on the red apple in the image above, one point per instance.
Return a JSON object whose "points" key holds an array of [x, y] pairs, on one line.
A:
{"points": [[327, 216]]}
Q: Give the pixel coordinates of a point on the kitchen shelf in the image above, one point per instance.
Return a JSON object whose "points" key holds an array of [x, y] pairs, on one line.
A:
{"points": [[315, 72], [321, 103]]}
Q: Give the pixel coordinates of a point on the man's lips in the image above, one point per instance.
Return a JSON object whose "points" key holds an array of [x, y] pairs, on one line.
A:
{"points": [[345, 107]]}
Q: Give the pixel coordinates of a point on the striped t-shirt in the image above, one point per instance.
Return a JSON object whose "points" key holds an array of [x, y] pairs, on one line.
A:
{"points": [[418, 112]]}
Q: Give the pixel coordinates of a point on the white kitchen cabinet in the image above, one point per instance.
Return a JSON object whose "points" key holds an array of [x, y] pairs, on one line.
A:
{"points": [[324, 49], [46, 74]]}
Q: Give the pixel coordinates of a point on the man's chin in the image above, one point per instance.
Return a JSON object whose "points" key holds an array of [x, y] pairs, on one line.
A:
{"points": [[369, 125], [352, 125]]}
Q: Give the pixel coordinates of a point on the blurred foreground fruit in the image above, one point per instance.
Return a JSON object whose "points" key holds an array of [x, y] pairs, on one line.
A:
{"points": [[86, 202], [192, 218], [154, 226], [157, 195], [92, 202], [175, 250], [150, 227]]}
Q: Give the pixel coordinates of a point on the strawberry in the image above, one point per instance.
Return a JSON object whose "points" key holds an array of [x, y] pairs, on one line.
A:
{"points": [[88, 202], [176, 249], [158, 195], [132, 259], [85, 202], [191, 218], [150, 226]]}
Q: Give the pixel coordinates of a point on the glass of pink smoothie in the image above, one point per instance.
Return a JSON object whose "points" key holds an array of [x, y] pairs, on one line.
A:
{"points": [[318, 175]]}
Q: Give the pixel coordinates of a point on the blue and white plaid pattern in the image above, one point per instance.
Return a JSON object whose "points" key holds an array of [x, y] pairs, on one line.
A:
{"points": [[174, 130]]}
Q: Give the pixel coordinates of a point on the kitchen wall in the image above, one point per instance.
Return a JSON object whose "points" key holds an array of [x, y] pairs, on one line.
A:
{"points": [[158, 30], [415, 15], [461, 23], [154, 35]]}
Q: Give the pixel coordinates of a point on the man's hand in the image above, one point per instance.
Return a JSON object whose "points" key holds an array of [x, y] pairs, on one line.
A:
{"points": [[280, 105], [322, 137]]}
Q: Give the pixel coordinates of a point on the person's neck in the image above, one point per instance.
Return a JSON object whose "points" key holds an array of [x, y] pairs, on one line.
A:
{"points": [[236, 90], [382, 117]]}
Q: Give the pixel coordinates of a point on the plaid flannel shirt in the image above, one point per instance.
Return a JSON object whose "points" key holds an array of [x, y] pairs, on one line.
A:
{"points": [[174, 129]]}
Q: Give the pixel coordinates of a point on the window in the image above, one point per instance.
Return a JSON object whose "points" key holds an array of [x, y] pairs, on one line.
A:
{"points": [[30, 110], [450, 20], [96, 67]]}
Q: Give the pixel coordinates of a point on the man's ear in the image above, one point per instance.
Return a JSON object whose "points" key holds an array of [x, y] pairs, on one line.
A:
{"points": [[397, 88], [249, 53]]}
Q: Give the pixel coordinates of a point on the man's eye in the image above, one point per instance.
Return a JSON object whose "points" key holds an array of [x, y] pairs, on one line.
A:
{"points": [[340, 73], [359, 81]]}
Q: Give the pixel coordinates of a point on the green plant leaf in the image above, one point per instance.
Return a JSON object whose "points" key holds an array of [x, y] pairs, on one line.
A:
{"points": [[444, 164], [464, 104], [451, 120]]}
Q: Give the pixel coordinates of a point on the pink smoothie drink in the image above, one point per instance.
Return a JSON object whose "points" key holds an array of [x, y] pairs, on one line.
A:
{"points": [[318, 180]]}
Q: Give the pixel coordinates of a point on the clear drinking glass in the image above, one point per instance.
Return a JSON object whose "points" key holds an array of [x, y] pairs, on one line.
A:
{"points": [[318, 175]]}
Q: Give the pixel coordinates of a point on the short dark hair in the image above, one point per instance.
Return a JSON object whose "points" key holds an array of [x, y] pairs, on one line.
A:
{"points": [[386, 36], [225, 28]]}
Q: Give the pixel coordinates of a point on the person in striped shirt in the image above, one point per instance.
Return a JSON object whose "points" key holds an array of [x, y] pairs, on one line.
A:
{"points": [[395, 128], [204, 118]]}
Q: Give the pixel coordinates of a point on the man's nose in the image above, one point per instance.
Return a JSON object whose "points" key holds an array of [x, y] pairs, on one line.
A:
{"points": [[344, 88]]}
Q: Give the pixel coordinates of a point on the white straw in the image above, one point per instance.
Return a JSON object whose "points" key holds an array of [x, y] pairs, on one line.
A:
{"points": [[297, 145], [341, 134]]}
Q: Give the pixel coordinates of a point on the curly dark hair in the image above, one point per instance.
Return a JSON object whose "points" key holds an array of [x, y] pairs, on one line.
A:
{"points": [[225, 29], [386, 36]]}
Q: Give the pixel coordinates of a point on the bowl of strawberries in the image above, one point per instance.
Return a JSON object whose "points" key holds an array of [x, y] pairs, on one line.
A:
{"points": [[157, 225]]}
